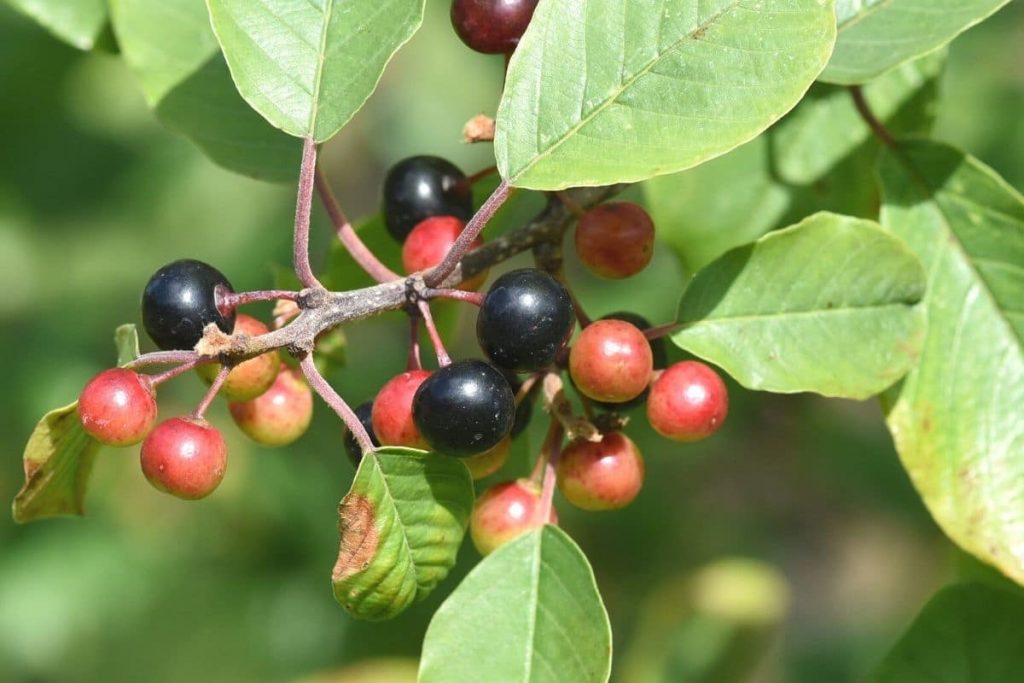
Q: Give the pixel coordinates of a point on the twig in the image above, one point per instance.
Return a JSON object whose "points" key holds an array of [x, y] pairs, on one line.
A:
{"points": [[475, 298], [469, 234], [574, 208], [236, 299], [322, 387], [162, 358], [864, 109], [303, 208]]}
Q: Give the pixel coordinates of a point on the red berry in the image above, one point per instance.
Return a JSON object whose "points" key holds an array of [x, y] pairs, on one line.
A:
{"points": [[392, 411], [487, 463], [615, 240], [504, 512], [492, 26], [430, 241], [281, 414], [250, 378], [688, 402], [118, 407], [604, 475], [611, 361], [184, 457]]}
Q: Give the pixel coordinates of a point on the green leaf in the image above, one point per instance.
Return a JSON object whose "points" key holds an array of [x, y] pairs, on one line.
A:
{"points": [[171, 48], [827, 306], [616, 90], [530, 612], [308, 65], [78, 23], [815, 158], [58, 459], [969, 632], [877, 35], [126, 339], [956, 418], [401, 524]]}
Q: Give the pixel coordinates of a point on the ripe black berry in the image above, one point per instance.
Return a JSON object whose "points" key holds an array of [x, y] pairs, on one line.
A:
{"points": [[492, 26], [180, 300], [464, 409], [365, 414], [525, 320], [420, 187]]}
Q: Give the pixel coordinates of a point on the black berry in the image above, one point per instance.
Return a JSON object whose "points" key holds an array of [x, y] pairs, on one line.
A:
{"points": [[492, 26], [464, 409], [365, 414], [420, 187], [525, 320], [180, 300]]}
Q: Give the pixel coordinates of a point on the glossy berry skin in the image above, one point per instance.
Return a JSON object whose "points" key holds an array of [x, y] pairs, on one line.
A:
{"points": [[180, 300], [611, 361], [659, 352], [490, 461], [465, 408], [184, 457], [506, 511], [615, 240], [492, 27], [429, 242], [420, 187], [118, 407], [525, 320], [392, 411], [688, 402], [281, 414], [605, 475], [365, 414], [250, 378]]}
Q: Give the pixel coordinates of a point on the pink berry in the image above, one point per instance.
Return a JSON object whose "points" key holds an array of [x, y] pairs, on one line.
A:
{"points": [[688, 402], [392, 411], [604, 475], [611, 361], [506, 511], [184, 457], [281, 414], [615, 240], [118, 407], [430, 241]]}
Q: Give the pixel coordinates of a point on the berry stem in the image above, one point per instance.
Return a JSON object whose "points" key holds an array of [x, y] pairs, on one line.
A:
{"points": [[864, 109], [560, 409], [481, 174], [322, 387], [475, 298], [469, 234], [554, 433], [443, 359], [553, 447], [574, 208], [659, 331], [218, 381], [162, 377], [236, 299], [360, 253], [162, 358], [414, 362], [303, 209]]}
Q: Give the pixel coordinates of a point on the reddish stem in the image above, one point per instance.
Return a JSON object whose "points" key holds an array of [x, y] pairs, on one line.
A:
{"points": [[659, 331], [469, 234], [574, 208], [162, 377], [414, 362], [481, 174], [475, 298], [236, 299], [864, 109], [162, 358], [553, 446], [322, 387], [361, 254], [303, 208], [218, 381], [443, 359]]}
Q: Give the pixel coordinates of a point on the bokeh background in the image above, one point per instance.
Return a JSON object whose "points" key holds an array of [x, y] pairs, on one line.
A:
{"points": [[789, 548]]}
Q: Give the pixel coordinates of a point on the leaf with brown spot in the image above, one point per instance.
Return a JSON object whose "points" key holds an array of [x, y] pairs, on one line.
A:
{"points": [[401, 526]]}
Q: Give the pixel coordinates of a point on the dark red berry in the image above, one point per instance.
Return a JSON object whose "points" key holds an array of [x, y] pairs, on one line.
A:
{"points": [[281, 414], [250, 378], [611, 361], [506, 511], [420, 187], [118, 407], [365, 414], [688, 402], [181, 299], [604, 475], [492, 26], [392, 411], [615, 240], [184, 457], [430, 241]]}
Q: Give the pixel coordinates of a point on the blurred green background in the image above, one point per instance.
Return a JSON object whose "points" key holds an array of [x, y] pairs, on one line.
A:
{"points": [[95, 195]]}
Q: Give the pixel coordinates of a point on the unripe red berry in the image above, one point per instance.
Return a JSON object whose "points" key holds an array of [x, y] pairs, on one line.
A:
{"points": [[487, 463], [604, 475], [492, 26], [430, 241], [688, 402], [118, 407], [615, 240], [611, 361], [392, 411], [184, 457], [281, 414], [504, 512], [250, 378]]}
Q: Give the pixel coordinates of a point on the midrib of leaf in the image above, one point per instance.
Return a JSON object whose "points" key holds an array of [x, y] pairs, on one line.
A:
{"points": [[857, 18], [608, 101], [793, 314], [315, 108], [401, 522], [534, 600]]}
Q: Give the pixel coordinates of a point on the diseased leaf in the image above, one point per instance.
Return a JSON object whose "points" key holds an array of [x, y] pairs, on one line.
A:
{"points": [[605, 91], [78, 23], [308, 65], [401, 525], [956, 418], [829, 306], [877, 35], [530, 612]]}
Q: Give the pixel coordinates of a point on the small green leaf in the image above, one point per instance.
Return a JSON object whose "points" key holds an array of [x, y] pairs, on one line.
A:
{"points": [[401, 524], [58, 459], [78, 23], [969, 632], [530, 612], [618, 90], [877, 35], [126, 338], [308, 65], [829, 306], [956, 418]]}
